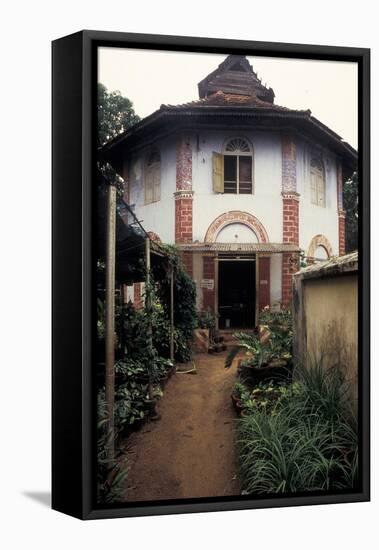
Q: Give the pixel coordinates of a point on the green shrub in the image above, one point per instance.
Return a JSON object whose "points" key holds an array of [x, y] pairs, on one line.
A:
{"points": [[306, 442]]}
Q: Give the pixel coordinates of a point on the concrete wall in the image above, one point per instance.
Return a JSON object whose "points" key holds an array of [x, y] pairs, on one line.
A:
{"points": [[326, 322]]}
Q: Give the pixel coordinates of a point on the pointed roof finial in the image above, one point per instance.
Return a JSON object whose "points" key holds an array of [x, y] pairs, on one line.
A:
{"points": [[236, 76]]}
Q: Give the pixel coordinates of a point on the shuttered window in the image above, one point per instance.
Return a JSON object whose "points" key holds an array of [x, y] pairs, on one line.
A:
{"points": [[317, 182], [238, 167], [218, 172], [153, 178], [230, 174]]}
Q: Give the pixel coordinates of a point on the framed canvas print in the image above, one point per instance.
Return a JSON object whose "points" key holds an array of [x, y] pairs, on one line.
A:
{"points": [[210, 274]]}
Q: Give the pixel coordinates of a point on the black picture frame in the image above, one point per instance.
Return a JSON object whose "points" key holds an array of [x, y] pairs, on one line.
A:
{"points": [[73, 132]]}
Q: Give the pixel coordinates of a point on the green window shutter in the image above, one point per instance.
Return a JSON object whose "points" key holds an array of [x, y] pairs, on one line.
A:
{"points": [[218, 172]]}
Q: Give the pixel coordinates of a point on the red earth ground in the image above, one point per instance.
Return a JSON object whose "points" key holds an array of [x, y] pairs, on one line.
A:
{"points": [[189, 452]]}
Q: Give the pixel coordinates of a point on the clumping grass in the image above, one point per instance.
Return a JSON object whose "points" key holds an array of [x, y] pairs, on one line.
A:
{"points": [[307, 442]]}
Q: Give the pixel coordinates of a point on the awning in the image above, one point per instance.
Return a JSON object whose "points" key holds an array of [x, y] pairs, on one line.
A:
{"points": [[247, 248]]}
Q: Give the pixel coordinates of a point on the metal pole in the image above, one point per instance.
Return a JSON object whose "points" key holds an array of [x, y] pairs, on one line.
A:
{"points": [[110, 270], [172, 313]]}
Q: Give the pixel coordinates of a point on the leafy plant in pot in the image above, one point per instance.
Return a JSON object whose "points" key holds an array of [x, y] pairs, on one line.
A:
{"points": [[262, 360]]}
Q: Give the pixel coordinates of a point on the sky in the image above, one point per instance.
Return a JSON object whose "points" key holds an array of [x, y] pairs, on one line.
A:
{"points": [[150, 78]]}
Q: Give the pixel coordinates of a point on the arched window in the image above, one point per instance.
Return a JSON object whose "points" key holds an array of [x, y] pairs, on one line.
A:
{"points": [[321, 254], [238, 167], [153, 178], [317, 182]]}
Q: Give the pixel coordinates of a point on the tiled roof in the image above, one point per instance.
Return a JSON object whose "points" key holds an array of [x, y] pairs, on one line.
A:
{"points": [[221, 99]]}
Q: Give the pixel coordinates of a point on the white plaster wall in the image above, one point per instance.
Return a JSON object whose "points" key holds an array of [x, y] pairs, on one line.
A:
{"points": [[276, 278], [236, 233], [157, 216], [265, 203], [313, 219]]}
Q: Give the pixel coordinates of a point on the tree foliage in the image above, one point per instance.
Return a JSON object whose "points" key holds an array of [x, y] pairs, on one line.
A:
{"points": [[350, 201], [115, 114]]}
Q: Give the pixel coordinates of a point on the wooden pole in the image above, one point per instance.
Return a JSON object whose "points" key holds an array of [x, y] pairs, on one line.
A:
{"points": [[110, 271], [149, 334], [172, 313]]}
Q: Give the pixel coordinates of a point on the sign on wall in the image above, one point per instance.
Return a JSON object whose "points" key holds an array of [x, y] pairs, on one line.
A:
{"points": [[207, 283]]}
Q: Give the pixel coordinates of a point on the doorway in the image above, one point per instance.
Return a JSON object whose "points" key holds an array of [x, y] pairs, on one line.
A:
{"points": [[236, 293]]}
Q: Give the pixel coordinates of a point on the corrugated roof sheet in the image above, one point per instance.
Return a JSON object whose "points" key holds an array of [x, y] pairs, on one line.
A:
{"points": [[239, 247]]}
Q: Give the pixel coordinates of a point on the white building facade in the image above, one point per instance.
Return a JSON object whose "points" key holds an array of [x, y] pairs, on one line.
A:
{"points": [[242, 187]]}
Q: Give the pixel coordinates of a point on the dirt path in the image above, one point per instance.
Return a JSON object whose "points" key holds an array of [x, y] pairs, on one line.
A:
{"points": [[189, 452]]}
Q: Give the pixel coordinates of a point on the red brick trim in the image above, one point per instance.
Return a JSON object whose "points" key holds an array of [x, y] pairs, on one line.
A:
{"points": [[290, 265], [183, 217], [341, 212], [236, 216], [290, 218], [341, 232], [184, 193], [290, 262]]}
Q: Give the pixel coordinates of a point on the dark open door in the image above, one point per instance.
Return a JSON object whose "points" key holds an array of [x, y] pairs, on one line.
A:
{"points": [[236, 294]]}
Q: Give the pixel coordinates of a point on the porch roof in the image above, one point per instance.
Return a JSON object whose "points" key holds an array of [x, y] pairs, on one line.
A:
{"points": [[273, 248]]}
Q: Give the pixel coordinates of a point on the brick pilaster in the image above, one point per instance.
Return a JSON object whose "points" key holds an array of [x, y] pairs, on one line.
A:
{"points": [[341, 233], [184, 193], [183, 216], [290, 261], [184, 198], [341, 212]]}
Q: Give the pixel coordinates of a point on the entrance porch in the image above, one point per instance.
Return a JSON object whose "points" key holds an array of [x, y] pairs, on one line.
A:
{"points": [[237, 280]]}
